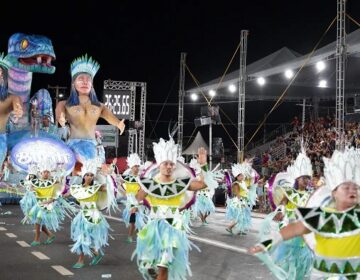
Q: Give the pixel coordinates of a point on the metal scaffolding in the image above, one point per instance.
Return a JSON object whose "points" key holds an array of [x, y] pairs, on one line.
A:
{"points": [[340, 72], [181, 103], [241, 104], [132, 86]]}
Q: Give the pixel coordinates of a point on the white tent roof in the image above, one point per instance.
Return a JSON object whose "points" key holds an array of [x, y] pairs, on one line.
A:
{"points": [[195, 145], [278, 62]]}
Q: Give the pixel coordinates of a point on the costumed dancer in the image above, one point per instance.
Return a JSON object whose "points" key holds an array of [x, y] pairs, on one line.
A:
{"points": [[8, 103], [289, 191], [133, 214], [82, 110], [89, 229], [204, 205], [238, 209], [42, 204], [333, 221], [162, 248]]}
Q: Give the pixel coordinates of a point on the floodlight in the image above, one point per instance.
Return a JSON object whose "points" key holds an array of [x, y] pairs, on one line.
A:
{"points": [[194, 97], [212, 93], [322, 84], [261, 81], [289, 74], [320, 65], [232, 88]]}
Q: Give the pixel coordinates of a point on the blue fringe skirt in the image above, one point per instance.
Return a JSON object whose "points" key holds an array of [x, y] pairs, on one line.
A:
{"points": [[50, 215], [89, 236], [239, 212], [294, 257], [203, 204], [161, 244], [139, 216]]}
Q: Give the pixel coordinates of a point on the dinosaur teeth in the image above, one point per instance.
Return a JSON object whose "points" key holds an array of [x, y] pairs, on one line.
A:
{"points": [[48, 61], [38, 59]]}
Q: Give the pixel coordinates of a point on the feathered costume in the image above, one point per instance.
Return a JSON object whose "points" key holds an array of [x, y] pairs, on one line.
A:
{"points": [[204, 204], [238, 207], [292, 256], [163, 241], [335, 234], [42, 203], [131, 188], [89, 229]]}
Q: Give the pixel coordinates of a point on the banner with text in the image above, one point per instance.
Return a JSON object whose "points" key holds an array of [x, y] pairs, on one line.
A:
{"points": [[118, 101]]}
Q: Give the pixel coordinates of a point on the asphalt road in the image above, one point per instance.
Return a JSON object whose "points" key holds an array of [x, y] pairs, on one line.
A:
{"points": [[222, 257]]}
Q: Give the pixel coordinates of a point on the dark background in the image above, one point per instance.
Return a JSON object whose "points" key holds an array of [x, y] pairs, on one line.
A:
{"points": [[142, 41]]}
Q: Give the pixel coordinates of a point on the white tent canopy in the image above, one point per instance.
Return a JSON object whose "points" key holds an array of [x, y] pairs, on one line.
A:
{"points": [[277, 63], [195, 145]]}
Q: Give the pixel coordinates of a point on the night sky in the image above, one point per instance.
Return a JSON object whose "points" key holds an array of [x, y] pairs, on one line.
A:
{"points": [[142, 40]]}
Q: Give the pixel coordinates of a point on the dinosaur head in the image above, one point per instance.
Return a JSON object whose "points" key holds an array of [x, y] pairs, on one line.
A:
{"points": [[33, 53]]}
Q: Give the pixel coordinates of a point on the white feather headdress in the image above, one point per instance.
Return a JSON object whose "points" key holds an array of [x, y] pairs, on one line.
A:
{"points": [[241, 168], [342, 167], [46, 164], [301, 167], [89, 166], [165, 150], [133, 159]]}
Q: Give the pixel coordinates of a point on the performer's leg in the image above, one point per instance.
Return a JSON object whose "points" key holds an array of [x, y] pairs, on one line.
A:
{"points": [[50, 235], [80, 261], [163, 273], [37, 233]]}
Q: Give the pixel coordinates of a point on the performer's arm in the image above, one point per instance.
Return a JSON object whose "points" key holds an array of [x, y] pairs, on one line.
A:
{"points": [[236, 189], [141, 194], [112, 119], [199, 184], [290, 231], [60, 113]]}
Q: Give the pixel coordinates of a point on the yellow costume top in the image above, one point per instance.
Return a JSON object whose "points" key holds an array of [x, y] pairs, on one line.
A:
{"points": [[337, 235]]}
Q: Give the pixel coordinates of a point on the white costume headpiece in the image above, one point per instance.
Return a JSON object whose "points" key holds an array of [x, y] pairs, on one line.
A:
{"points": [[342, 167], [165, 150], [89, 166], [46, 164], [133, 159], [301, 167], [241, 168]]}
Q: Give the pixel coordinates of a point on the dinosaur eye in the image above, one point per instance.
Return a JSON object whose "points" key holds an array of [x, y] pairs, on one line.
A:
{"points": [[24, 44]]}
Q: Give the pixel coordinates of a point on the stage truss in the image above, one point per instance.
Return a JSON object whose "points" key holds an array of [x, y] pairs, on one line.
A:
{"points": [[132, 87]]}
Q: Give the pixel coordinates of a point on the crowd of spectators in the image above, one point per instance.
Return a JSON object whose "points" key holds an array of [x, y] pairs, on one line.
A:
{"points": [[319, 139]]}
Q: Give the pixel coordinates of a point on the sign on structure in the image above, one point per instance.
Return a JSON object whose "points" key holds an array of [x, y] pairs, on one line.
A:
{"points": [[119, 102]]}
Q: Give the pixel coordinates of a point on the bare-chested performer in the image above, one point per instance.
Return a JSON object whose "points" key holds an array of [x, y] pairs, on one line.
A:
{"points": [[8, 103], [82, 110]]}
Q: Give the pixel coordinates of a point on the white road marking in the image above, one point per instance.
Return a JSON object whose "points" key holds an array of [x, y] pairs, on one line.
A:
{"points": [[62, 270], [23, 244], [11, 235], [219, 244], [2, 229], [113, 218], [40, 255]]}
